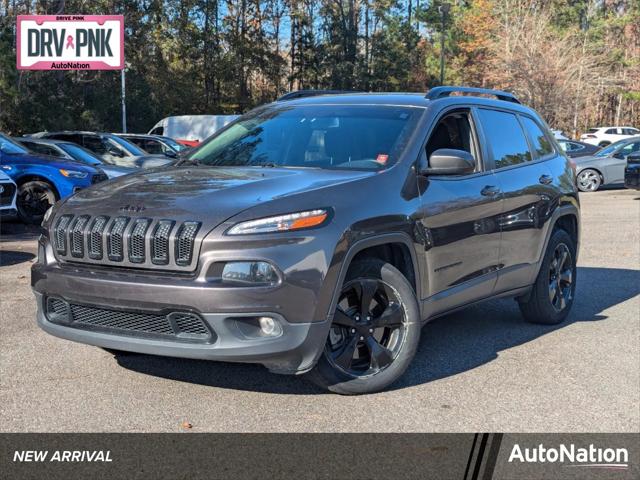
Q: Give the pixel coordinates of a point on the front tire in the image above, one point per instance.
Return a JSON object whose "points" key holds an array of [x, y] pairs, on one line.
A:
{"points": [[552, 295], [374, 334], [33, 200], [588, 180]]}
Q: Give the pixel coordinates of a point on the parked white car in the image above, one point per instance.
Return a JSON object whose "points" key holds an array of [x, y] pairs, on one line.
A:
{"points": [[8, 192], [603, 136], [190, 130]]}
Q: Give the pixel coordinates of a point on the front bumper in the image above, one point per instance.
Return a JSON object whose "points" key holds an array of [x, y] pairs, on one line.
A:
{"points": [[293, 352], [296, 350]]}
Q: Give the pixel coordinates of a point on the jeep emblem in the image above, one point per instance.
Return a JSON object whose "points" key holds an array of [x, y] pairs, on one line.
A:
{"points": [[132, 208]]}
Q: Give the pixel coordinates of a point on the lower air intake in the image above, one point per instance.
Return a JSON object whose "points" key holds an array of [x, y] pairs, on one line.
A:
{"points": [[177, 326]]}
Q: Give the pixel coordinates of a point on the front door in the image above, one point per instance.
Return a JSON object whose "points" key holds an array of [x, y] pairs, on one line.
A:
{"points": [[459, 218]]}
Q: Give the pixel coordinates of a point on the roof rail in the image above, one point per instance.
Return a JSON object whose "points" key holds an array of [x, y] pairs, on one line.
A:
{"points": [[440, 92], [312, 93]]}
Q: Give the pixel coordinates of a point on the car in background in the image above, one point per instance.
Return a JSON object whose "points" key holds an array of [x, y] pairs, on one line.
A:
{"points": [[42, 180], [8, 194], [605, 167], [155, 144], [110, 148], [558, 135], [190, 130], [603, 136], [74, 152], [632, 171], [574, 148]]}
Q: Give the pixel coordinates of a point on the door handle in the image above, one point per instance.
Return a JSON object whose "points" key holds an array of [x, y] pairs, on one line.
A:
{"points": [[490, 191], [545, 179]]}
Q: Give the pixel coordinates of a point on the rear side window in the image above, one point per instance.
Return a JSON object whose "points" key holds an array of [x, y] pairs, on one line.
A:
{"points": [[612, 131], [539, 140], [44, 149], [505, 137]]}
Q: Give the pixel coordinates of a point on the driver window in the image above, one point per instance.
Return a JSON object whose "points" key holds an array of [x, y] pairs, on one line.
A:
{"points": [[453, 131]]}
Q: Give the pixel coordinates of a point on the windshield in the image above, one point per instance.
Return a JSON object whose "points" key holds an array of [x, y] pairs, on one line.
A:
{"points": [[609, 150], [80, 154], [317, 136], [9, 146], [128, 146]]}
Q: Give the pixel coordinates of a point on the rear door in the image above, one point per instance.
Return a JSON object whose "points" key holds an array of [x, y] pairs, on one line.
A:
{"points": [[459, 220], [520, 152]]}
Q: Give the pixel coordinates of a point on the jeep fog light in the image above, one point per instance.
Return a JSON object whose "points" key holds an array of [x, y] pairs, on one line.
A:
{"points": [[249, 274], [270, 326]]}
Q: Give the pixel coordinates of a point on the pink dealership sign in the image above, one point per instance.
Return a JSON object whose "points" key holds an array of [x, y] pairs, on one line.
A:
{"points": [[70, 42]]}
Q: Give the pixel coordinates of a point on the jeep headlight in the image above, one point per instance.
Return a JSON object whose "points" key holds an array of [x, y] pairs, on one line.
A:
{"points": [[281, 223]]}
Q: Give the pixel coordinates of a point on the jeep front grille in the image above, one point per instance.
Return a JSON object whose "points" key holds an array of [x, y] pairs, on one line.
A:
{"points": [[126, 241], [178, 326]]}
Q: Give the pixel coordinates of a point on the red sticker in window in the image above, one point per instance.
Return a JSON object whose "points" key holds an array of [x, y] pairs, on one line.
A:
{"points": [[382, 158]]}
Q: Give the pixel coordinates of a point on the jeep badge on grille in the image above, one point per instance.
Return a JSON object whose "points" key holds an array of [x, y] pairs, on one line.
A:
{"points": [[132, 208]]}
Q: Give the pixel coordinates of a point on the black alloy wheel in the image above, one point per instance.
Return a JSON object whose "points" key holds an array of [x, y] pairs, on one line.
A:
{"points": [[561, 278], [34, 199], [552, 295], [368, 328], [375, 331]]}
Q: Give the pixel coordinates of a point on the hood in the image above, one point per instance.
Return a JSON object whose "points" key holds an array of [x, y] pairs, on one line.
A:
{"points": [[114, 171], [206, 194], [45, 160], [588, 159]]}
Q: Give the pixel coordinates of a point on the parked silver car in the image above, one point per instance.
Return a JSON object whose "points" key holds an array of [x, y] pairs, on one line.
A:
{"points": [[605, 167]]}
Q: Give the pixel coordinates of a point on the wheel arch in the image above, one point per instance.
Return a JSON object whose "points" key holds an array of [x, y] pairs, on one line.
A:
{"points": [[396, 248], [40, 178]]}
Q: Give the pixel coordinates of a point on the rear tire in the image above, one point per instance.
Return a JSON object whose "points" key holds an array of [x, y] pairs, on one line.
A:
{"points": [[553, 292], [375, 331]]}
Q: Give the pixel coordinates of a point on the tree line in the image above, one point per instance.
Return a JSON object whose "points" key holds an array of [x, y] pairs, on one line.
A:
{"points": [[576, 61]]}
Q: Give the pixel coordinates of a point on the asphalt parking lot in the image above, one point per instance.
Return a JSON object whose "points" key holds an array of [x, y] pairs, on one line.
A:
{"points": [[481, 369]]}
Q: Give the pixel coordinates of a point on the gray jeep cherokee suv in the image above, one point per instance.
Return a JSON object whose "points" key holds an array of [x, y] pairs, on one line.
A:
{"points": [[317, 235]]}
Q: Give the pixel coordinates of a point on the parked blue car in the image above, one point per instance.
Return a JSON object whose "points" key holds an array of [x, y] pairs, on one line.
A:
{"points": [[42, 180]]}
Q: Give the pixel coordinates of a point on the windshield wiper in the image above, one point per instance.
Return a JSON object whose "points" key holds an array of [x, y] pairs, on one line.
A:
{"points": [[188, 161]]}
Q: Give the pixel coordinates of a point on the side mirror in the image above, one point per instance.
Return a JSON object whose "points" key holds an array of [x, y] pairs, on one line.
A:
{"points": [[448, 161], [633, 157], [619, 156], [170, 153]]}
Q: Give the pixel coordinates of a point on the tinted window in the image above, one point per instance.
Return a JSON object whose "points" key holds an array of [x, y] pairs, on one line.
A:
{"points": [[125, 145], [574, 147], [505, 137], [608, 150], [611, 131], [66, 137], [95, 144], [630, 148], [151, 146], [80, 154], [539, 140], [319, 136]]}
